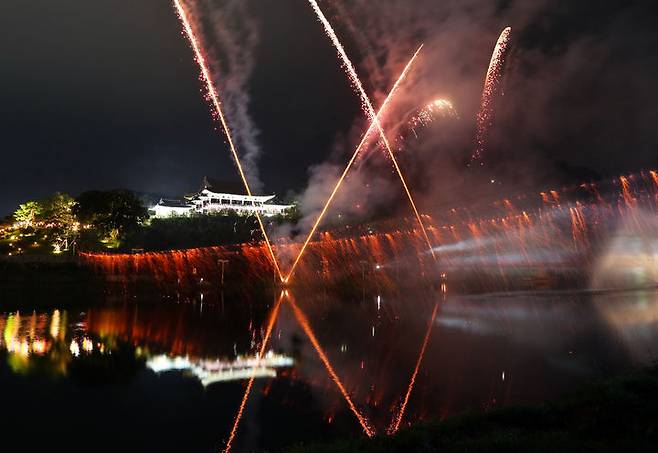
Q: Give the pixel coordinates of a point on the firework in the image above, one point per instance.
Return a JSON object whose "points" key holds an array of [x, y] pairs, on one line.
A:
{"points": [[403, 407], [426, 115], [358, 149], [491, 83], [247, 391], [213, 97], [369, 110], [301, 318]]}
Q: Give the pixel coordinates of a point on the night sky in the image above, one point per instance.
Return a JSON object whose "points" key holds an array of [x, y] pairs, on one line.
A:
{"points": [[105, 94]]}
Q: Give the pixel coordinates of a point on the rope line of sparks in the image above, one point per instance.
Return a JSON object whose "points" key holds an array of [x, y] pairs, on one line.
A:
{"points": [[369, 110], [216, 103], [357, 151]]}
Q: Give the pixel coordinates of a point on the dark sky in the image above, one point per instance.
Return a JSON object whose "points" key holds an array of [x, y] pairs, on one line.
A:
{"points": [[104, 94]]}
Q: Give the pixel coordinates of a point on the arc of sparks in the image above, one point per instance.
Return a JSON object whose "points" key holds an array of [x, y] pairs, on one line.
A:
{"points": [[412, 381], [268, 332], [213, 94], [303, 321], [358, 149], [369, 111], [491, 81]]}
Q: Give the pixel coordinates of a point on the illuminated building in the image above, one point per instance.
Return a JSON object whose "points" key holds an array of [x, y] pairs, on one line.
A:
{"points": [[210, 201]]}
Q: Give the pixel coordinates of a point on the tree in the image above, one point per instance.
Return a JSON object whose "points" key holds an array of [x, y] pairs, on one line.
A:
{"points": [[58, 215], [28, 213], [112, 213]]}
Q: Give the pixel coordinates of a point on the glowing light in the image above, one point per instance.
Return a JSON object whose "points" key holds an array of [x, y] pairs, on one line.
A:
{"points": [[491, 82], [301, 318], [358, 149], [74, 348], [55, 324], [403, 407], [369, 110], [87, 345], [213, 95]]}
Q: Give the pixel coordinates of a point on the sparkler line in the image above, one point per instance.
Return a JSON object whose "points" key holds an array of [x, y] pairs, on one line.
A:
{"points": [[214, 97], [491, 81], [382, 109], [270, 325], [370, 112]]}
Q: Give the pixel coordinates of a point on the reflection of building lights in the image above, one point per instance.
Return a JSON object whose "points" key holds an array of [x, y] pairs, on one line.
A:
{"points": [[54, 324], [24, 349], [211, 371], [39, 346], [87, 345], [74, 348]]}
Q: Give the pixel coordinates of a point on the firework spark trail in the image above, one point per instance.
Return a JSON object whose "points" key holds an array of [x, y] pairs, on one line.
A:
{"points": [[370, 112], [364, 140], [491, 82], [216, 103], [301, 318], [654, 176], [403, 407], [270, 325], [429, 113]]}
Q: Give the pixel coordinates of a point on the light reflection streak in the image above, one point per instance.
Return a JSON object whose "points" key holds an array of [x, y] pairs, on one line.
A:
{"points": [[303, 322], [270, 325], [398, 419]]}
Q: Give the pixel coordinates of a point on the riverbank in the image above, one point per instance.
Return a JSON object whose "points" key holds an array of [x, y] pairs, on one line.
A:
{"points": [[618, 414], [43, 281]]}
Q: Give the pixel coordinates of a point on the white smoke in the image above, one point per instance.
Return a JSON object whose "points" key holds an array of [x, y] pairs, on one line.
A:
{"points": [[230, 36]]}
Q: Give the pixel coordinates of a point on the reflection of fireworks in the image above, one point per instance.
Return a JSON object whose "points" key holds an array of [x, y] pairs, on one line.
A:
{"points": [[426, 115], [491, 82], [303, 321], [270, 325], [217, 104], [403, 407]]}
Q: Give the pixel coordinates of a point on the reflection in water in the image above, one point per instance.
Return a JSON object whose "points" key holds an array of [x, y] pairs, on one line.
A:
{"points": [[28, 339], [372, 363], [211, 371]]}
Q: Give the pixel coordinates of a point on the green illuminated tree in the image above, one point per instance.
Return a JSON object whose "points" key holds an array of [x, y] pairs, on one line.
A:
{"points": [[28, 213]]}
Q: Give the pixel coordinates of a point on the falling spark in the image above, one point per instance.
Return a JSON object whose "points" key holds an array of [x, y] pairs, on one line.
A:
{"points": [[626, 192], [403, 407], [654, 176], [491, 82], [364, 139], [216, 103], [370, 111], [247, 391], [301, 318]]}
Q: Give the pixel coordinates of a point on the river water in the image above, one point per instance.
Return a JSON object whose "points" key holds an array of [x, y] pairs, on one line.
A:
{"points": [[147, 373]]}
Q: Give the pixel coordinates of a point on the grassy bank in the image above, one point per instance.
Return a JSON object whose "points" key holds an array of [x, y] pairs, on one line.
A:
{"points": [[619, 414]]}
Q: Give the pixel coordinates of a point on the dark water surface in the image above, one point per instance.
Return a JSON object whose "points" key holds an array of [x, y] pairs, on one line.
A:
{"points": [[152, 374]]}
